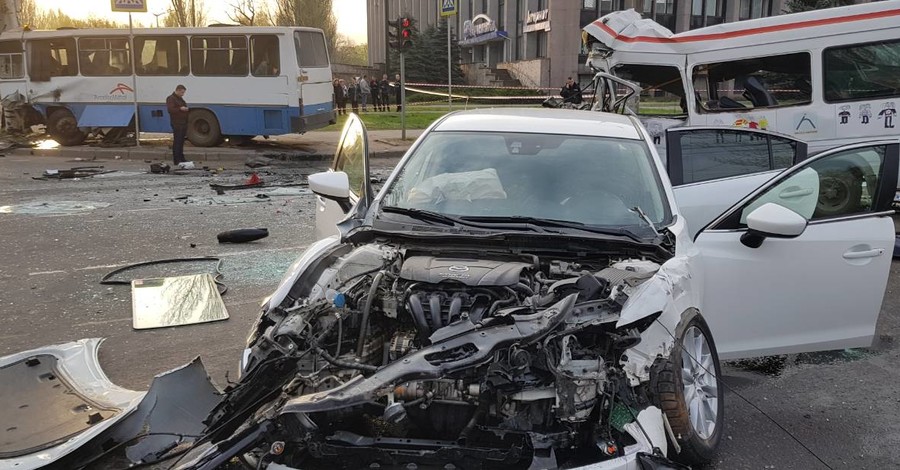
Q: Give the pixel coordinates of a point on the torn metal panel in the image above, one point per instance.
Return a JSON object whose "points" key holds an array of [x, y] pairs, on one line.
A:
{"points": [[176, 404], [41, 408], [77, 364], [176, 301]]}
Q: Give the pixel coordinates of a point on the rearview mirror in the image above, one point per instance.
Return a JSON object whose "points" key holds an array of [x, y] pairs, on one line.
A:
{"points": [[772, 220], [334, 185]]}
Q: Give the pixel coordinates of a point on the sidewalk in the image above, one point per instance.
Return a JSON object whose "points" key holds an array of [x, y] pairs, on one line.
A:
{"points": [[312, 146]]}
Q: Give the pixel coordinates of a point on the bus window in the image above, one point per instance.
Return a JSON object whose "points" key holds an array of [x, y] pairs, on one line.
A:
{"points": [[265, 58], [761, 82], [220, 55], [11, 60], [162, 55], [311, 51], [662, 90], [104, 56], [862, 71], [52, 58]]}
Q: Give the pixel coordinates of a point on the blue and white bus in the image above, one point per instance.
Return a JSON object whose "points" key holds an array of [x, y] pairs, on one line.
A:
{"points": [[242, 81]]}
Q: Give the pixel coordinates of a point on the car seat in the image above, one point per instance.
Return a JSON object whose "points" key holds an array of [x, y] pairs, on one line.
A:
{"points": [[757, 93]]}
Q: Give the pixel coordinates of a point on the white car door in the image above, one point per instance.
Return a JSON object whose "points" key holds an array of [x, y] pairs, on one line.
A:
{"points": [[711, 168], [819, 290], [351, 157]]}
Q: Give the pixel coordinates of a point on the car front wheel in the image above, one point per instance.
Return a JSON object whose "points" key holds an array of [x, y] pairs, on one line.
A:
{"points": [[687, 386]]}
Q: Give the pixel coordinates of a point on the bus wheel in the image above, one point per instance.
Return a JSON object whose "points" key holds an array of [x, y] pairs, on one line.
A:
{"points": [[63, 128], [203, 129]]}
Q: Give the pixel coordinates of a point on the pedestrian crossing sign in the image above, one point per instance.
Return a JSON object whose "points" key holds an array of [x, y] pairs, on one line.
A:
{"points": [[449, 7], [129, 6]]}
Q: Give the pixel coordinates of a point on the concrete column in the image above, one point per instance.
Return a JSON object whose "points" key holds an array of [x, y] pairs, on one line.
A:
{"points": [[683, 15], [564, 41], [732, 10]]}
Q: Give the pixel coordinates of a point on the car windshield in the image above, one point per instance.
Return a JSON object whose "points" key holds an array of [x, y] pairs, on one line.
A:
{"points": [[490, 176]]}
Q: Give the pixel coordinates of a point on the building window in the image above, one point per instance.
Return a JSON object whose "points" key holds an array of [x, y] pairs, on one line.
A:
{"points": [[540, 44], [589, 4], [162, 55], [707, 13], [501, 15], [751, 9], [609, 6], [661, 11]]}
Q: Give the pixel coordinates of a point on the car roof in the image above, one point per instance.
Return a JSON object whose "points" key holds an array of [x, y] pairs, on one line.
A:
{"points": [[541, 121]]}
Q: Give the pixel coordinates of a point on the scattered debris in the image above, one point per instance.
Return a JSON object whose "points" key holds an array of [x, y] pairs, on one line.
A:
{"points": [[164, 302], [258, 161], [74, 172], [185, 166], [242, 235], [159, 168], [52, 207]]}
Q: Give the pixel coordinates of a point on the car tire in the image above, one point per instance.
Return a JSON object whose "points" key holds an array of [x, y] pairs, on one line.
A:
{"points": [[839, 193], [63, 128], [690, 395], [203, 128]]}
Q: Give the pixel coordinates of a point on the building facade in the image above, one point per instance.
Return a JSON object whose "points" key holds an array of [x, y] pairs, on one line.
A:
{"points": [[538, 42]]}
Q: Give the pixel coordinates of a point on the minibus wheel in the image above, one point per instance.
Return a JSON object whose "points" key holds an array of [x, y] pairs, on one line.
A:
{"points": [[63, 128], [203, 128]]}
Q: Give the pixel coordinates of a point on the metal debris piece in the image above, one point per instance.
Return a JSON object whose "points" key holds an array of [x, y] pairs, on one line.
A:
{"points": [[176, 301]]}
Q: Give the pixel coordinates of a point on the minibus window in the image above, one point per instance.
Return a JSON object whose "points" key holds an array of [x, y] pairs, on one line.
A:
{"points": [[662, 89], [761, 82], [862, 71]]}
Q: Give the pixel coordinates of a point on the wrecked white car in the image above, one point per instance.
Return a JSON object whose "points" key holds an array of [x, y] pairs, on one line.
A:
{"points": [[521, 293]]}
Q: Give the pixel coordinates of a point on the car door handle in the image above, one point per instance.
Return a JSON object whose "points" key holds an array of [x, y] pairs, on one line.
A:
{"points": [[789, 193], [863, 254]]}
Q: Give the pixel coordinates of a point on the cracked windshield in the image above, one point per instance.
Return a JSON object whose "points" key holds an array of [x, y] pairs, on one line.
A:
{"points": [[587, 180]]}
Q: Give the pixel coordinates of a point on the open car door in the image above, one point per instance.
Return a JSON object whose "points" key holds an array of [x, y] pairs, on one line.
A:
{"points": [[346, 183], [711, 168], [801, 264]]}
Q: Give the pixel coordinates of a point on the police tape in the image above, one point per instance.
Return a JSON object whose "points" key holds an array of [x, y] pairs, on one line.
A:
{"points": [[488, 87], [478, 98]]}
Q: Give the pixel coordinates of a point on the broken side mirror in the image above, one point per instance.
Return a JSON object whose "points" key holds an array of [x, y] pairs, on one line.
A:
{"points": [[772, 220], [334, 185]]}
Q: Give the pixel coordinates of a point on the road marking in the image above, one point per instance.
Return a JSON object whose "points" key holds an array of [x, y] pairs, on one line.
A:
{"points": [[101, 322], [220, 255]]}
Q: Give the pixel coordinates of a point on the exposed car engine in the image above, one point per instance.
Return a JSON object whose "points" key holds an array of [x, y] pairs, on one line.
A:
{"points": [[393, 356]]}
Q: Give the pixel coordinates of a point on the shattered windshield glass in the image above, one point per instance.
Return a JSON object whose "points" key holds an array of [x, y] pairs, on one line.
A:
{"points": [[587, 180]]}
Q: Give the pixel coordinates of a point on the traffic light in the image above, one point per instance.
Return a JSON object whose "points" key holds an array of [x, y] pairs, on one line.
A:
{"points": [[394, 34], [406, 33]]}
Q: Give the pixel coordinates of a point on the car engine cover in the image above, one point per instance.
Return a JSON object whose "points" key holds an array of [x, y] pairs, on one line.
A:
{"points": [[470, 272]]}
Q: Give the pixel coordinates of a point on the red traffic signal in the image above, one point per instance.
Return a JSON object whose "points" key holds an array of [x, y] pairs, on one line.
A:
{"points": [[406, 32]]}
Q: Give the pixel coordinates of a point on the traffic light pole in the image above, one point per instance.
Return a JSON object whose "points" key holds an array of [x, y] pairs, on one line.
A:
{"points": [[402, 96]]}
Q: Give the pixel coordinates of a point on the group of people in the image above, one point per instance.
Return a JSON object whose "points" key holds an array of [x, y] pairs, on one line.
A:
{"points": [[361, 90]]}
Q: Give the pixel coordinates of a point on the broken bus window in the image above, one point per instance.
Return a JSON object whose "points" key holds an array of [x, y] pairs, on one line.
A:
{"points": [[52, 58], [760, 82], [265, 56]]}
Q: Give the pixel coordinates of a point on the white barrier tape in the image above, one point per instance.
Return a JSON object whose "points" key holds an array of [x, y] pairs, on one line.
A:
{"points": [[444, 85]]}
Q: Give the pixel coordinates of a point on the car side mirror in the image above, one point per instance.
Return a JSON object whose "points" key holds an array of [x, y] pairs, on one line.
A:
{"points": [[334, 185], [772, 220]]}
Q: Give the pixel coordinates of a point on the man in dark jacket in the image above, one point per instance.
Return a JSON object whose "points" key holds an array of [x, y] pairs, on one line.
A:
{"points": [[385, 92], [571, 92], [397, 90], [178, 118]]}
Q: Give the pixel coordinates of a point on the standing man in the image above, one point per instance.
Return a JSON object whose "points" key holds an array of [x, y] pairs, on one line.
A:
{"points": [[376, 93], [364, 92], [385, 92], [340, 101], [397, 91], [178, 118]]}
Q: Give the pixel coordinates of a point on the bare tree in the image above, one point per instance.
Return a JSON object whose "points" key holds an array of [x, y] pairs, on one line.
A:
{"points": [[186, 13], [245, 12], [28, 14], [312, 13]]}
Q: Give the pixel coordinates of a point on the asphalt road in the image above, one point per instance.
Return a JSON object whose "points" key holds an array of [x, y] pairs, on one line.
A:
{"points": [[844, 407]]}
